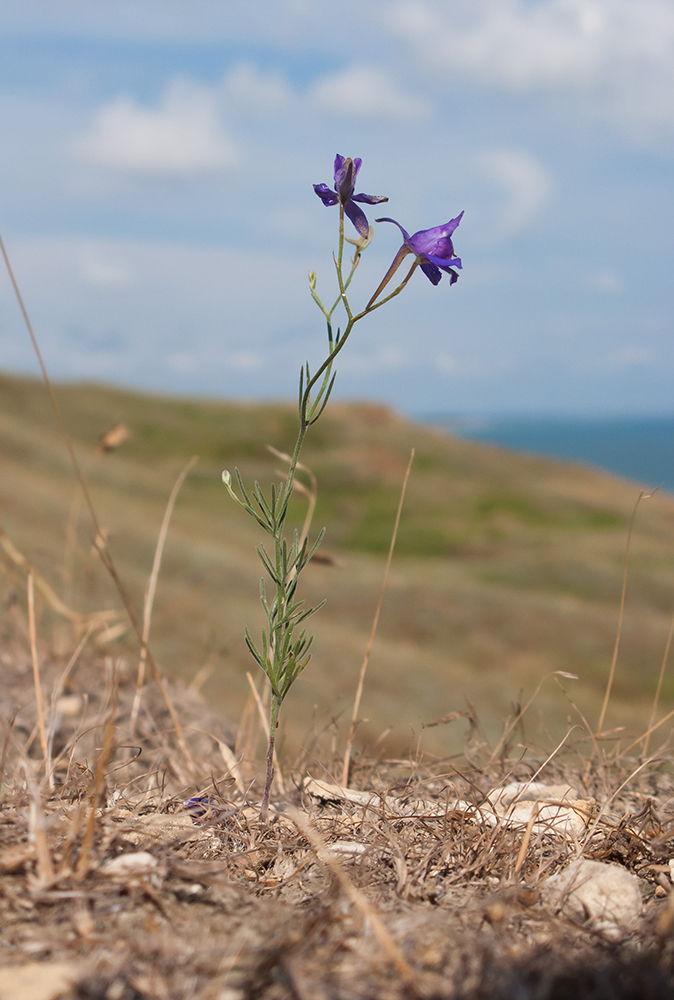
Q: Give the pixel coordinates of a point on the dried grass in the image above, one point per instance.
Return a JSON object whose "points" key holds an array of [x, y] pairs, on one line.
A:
{"points": [[132, 865], [400, 889]]}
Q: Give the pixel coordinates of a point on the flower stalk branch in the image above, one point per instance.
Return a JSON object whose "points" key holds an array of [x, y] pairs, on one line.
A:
{"points": [[284, 649]]}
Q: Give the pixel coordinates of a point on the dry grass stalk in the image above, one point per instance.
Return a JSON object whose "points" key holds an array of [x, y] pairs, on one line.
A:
{"points": [[519, 715], [357, 898], [56, 694], [51, 598], [524, 846], [97, 789], [649, 732], [609, 684], [38, 829], [107, 443], [278, 777], [36, 668], [366, 659], [152, 587], [232, 765], [101, 543], [656, 699], [247, 731]]}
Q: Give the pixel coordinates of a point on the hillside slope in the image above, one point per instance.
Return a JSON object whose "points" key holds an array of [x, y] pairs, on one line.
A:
{"points": [[506, 568]]}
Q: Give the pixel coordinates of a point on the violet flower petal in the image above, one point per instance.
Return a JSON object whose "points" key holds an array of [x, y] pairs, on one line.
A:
{"points": [[345, 174], [346, 171], [357, 216], [432, 272], [327, 196], [433, 249], [369, 199], [444, 262]]}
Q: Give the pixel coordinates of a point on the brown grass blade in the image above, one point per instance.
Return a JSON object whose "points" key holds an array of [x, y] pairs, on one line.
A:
{"points": [[36, 670], [152, 587], [609, 684], [101, 544], [366, 659], [357, 898], [656, 699]]}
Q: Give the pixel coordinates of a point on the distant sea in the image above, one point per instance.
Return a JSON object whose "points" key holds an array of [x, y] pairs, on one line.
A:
{"points": [[638, 448]]}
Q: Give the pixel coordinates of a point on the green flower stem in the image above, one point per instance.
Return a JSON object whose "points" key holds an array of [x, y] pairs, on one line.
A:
{"points": [[283, 656], [371, 308], [273, 725]]}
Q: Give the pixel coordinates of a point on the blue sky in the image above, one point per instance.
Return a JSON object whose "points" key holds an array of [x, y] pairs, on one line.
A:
{"points": [[156, 165]]}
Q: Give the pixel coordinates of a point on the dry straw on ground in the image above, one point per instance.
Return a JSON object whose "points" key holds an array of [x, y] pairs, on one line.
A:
{"points": [[418, 880]]}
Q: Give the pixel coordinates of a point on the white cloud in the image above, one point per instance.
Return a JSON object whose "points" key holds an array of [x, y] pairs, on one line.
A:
{"points": [[605, 281], [526, 184], [367, 92], [387, 359], [245, 85], [191, 310], [183, 135], [246, 361], [104, 272], [182, 361], [630, 357], [619, 51], [446, 364]]}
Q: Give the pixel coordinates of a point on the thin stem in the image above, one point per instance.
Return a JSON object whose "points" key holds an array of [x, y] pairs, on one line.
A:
{"points": [[340, 251], [152, 589], [371, 308], [609, 685], [273, 725], [265, 725], [668, 646], [397, 261], [99, 544], [366, 658], [339, 263], [354, 264], [282, 658], [36, 669]]}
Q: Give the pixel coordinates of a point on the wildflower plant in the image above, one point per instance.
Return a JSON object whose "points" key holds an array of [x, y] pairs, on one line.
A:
{"points": [[285, 646]]}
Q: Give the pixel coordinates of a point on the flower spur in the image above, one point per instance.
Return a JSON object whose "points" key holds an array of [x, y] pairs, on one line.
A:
{"points": [[433, 252]]}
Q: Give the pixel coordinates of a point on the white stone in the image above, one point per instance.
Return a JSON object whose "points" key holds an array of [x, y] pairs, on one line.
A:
{"points": [[127, 865], [604, 897], [557, 807]]}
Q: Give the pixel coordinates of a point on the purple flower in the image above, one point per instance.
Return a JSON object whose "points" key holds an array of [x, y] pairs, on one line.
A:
{"points": [[433, 249], [346, 172]]}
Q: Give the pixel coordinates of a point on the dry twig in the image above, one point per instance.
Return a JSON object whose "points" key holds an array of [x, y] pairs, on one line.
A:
{"points": [[366, 659]]}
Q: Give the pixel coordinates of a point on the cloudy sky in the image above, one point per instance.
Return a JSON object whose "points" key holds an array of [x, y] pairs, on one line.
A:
{"points": [[156, 163]]}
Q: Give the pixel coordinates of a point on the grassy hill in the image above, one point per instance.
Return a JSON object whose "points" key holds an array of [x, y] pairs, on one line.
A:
{"points": [[506, 567]]}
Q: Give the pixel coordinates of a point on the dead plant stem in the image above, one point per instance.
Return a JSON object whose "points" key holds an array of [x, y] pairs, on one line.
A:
{"points": [[97, 790], [100, 543], [656, 699], [616, 647], [36, 670], [358, 899], [366, 659], [152, 588]]}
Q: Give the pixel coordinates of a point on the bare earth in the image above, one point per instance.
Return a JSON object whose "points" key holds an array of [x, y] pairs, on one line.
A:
{"points": [[405, 885]]}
